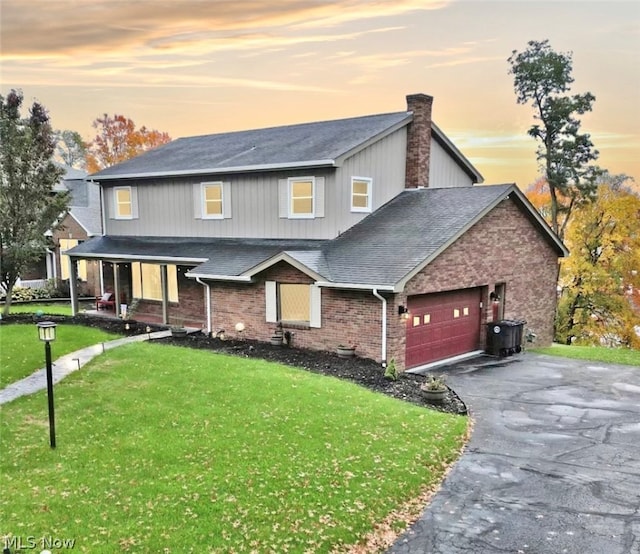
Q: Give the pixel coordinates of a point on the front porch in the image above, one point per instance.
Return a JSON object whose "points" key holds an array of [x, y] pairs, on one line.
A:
{"points": [[153, 293]]}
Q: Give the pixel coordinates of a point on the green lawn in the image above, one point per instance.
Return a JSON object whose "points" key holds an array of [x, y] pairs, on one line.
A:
{"points": [[624, 356], [48, 308], [22, 352], [166, 450]]}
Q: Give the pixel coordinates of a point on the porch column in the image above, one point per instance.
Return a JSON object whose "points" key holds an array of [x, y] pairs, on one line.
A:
{"points": [[116, 287], [164, 283], [73, 284], [50, 264], [101, 269]]}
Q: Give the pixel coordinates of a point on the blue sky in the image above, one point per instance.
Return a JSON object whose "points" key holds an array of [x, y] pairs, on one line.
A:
{"points": [[196, 67]]}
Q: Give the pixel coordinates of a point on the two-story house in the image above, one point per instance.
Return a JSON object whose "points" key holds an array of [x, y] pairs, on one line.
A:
{"points": [[366, 230], [81, 222]]}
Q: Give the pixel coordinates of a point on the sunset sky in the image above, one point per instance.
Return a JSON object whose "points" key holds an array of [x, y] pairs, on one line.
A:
{"points": [[197, 67]]}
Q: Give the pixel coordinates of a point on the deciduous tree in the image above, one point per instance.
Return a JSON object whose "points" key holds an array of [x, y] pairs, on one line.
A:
{"points": [[118, 140], [600, 280], [71, 150], [28, 205], [543, 78]]}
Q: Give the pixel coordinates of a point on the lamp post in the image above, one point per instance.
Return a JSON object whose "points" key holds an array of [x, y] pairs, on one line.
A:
{"points": [[47, 334]]}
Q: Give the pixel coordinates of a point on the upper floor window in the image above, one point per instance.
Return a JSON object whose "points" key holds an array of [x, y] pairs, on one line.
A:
{"points": [[125, 203], [212, 200], [361, 194], [301, 197]]}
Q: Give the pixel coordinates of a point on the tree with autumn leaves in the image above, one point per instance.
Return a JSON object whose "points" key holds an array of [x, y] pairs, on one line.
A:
{"points": [[599, 281], [118, 140], [595, 213]]}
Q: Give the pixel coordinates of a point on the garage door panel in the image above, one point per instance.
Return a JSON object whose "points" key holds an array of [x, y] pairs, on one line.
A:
{"points": [[442, 325]]}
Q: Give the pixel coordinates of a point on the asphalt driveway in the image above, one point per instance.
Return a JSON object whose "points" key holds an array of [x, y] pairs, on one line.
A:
{"points": [[553, 465]]}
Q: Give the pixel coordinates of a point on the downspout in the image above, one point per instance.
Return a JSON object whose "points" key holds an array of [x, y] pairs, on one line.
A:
{"points": [[384, 326], [208, 295]]}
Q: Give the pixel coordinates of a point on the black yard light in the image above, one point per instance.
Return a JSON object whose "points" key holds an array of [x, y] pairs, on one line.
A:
{"points": [[47, 334]]}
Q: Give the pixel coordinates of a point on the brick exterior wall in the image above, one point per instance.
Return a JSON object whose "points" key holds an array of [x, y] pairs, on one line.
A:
{"points": [[504, 247], [348, 317], [71, 229], [418, 141]]}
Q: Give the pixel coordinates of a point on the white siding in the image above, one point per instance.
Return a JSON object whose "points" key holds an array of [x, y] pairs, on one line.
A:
{"points": [[166, 207], [444, 172]]}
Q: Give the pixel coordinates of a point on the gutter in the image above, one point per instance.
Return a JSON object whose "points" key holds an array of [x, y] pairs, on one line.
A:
{"points": [[384, 326], [233, 278], [387, 288], [214, 170], [208, 296]]}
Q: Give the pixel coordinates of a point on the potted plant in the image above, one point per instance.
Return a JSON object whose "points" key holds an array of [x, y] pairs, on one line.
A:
{"points": [[346, 350], [130, 324], [434, 389]]}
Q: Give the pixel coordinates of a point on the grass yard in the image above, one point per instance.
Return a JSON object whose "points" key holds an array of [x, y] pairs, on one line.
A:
{"points": [[624, 356], [22, 352], [48, 308], [166, 450]]}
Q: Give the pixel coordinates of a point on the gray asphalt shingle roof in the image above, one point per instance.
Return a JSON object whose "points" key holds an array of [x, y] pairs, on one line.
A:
{"points": [[214, 256], [381, 251], [318, 143], [407, 231]]}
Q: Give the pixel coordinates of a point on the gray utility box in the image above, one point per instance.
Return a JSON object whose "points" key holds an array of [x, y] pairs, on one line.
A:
{"points": [[504, 337]]}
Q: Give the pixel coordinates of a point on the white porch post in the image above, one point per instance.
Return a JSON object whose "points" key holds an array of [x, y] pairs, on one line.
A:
{"points": [[101, 269], [164, 282], [73, 285], [116, 287]]}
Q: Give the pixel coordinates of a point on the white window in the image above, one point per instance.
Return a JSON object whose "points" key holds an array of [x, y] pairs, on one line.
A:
{"points": [[125, 203], [361, 194], [81, 265], [212, 200], [293, 303], [146, 281], [301, 197]]}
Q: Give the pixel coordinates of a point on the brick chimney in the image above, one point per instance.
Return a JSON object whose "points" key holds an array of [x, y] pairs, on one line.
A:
{"points": [[418, 140]]}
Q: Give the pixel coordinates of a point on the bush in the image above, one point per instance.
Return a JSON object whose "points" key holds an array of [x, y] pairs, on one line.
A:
{"points": [[23, 294]]}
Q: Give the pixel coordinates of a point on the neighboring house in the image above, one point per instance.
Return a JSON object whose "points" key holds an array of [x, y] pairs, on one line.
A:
{"points": [[82, 221], [365, 230]]}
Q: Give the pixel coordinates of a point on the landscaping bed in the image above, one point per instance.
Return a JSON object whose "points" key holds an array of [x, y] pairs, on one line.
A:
{"points": [[362, 371]]}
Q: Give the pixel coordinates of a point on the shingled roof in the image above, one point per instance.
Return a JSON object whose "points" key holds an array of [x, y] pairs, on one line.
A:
{"points": [[306, 145], [383, 251]]}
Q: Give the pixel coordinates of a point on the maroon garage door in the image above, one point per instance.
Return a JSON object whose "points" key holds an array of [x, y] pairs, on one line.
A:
{"points": [[442, 325]]}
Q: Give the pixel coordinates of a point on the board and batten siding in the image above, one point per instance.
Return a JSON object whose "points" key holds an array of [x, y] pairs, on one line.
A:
{"points": [[385, 163], [166, 206], [444, 171]]}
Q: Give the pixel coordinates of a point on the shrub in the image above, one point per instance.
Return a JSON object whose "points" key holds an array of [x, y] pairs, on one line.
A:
{"points": [[391, 372]]}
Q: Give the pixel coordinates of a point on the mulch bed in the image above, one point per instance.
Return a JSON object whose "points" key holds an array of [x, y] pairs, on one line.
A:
{"points": [[362, 371]]}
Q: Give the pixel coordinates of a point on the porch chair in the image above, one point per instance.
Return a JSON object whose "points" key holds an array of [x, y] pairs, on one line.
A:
{"points": [[106, 302]]}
